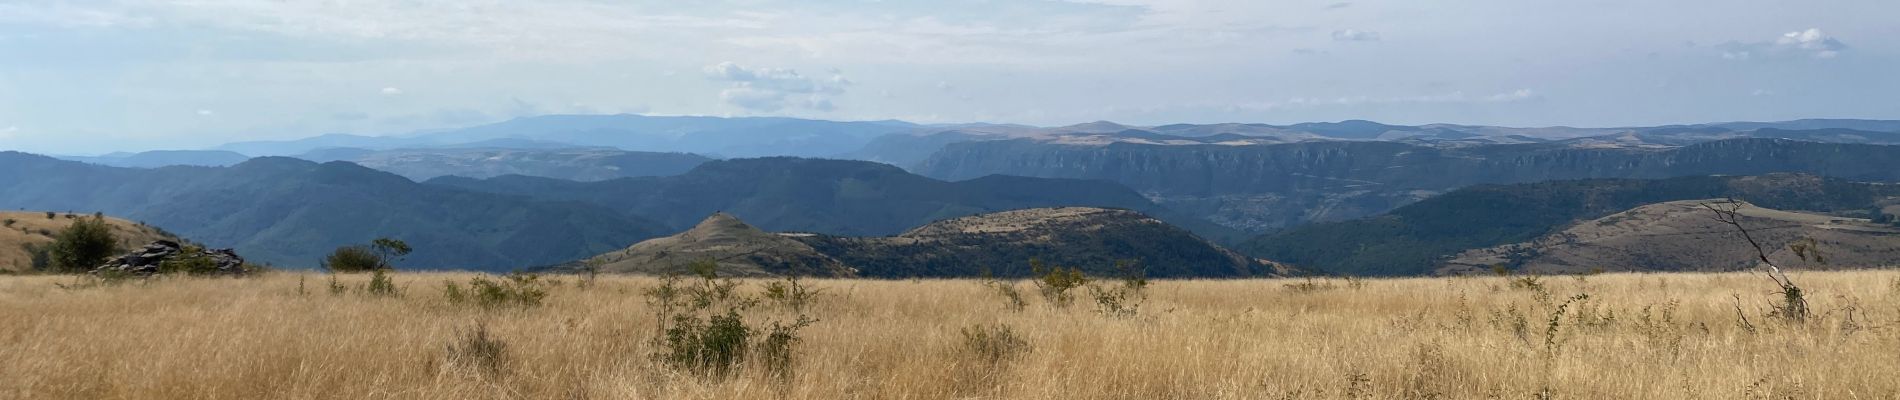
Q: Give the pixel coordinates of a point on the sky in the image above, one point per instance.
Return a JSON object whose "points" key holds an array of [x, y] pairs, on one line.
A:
{"points": [[80, 76]]}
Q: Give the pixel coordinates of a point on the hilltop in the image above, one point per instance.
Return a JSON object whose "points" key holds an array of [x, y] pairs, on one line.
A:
{"points": [[1682, 236], [1000, 243], [1417, 239], [20, 229], [738, 249]]}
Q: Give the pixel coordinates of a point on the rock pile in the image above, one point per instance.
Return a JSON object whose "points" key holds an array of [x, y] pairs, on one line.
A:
{"points": [[149, 260]]}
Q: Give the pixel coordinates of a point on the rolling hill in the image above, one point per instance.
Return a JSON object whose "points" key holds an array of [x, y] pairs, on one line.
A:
{"points": [[290, 212], [1001, 243], [1417, 239], [1682, 236], [838, 197], [736, 248], [22, 230]]}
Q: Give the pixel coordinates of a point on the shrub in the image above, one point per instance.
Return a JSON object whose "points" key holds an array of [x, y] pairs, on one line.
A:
{"points": [[1056, 282], [710, 347], [693, 337], [791, 293], [775, 350], [353, 259], [380, 285], [83, 245], [1123, 300], [190, 261], [514, 290], [40, 258], [9, 222]]}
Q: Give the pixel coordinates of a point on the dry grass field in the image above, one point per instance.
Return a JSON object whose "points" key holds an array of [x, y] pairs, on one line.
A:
{"points": [[1635, 336]]}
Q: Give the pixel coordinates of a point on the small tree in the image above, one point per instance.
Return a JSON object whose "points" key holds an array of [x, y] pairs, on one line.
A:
{"points": [[83, 245], [389, 250]]}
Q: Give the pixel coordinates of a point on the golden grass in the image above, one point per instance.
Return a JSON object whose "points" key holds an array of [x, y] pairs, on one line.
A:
{"points": [[1672, 336], [19, 228]]}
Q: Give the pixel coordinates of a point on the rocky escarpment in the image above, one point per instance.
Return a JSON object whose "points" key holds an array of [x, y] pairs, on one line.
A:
{"points": [[1271, 186]]}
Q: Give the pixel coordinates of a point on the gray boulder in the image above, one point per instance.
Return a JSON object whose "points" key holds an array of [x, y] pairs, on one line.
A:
{"points": [[147, 261]]}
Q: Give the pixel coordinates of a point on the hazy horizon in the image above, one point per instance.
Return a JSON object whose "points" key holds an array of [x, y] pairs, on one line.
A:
{"points": [[99, 76]]}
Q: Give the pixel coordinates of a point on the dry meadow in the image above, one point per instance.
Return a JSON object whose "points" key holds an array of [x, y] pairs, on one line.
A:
{"points": [[1616, 336]]}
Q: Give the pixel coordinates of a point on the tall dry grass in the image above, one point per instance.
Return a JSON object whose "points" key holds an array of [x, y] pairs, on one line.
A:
{"points": [[1664, 336]]}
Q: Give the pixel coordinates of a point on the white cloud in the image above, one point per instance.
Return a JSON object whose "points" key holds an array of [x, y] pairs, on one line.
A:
{"points": [[1810, 43], [774, 89], [1354, 35], [206, 113], [8, 132], [1813, 41], [390, 91]]}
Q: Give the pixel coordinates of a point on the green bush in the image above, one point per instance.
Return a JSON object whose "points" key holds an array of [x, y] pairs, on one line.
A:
{"points": [[39, 257], [1055, 283], [791, 293], [190, 261], [354, 259], [694, 336], [514, 290], [380, 285], [712, 346], [83, 245]]}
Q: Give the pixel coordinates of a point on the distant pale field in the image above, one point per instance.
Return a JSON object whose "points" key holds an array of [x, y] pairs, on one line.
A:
{"points": [[1664, 336]]}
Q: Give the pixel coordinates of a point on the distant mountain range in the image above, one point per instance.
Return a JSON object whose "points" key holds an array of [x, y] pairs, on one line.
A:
{"points": [[1268, 187], [1423, 237], [619, 179], [164, 158], [579, 164]]}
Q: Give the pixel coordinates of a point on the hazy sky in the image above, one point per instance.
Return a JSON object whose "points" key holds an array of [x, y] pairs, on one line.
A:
{"points": [[81, 76]]}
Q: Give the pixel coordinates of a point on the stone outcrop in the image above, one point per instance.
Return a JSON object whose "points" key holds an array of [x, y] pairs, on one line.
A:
{"points": [[150, 260]]}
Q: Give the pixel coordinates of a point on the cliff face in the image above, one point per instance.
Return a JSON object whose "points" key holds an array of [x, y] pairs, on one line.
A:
{"points": [[1264, 187]]}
